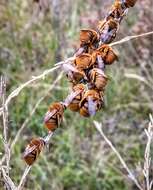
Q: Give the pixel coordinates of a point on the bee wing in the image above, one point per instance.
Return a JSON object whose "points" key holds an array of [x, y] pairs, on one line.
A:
{"points": [[101, 72], [68, 67], [48, 115], [79, 51], [28, 150], [70, 97], [91, 106], [101, 64]]}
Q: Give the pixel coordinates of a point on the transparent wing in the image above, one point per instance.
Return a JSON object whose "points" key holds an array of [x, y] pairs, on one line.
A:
{"points": [[91, 106], [67, 67], [48, 115], [28, 150], [70, 97]]}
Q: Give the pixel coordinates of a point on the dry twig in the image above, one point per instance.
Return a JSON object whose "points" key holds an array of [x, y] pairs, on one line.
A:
{"points": [[5, 124], [147, 162], [130, 174]]}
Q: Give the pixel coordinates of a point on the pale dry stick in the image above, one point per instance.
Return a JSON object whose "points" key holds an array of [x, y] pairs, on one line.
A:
{"points": [[130, 174], [5, 124], [34, 78], [146, 170], [12, 144], [7, 180], [23, 178], [140, 78], [128, 38]]}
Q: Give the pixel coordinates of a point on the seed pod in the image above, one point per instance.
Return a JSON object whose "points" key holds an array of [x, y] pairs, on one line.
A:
{"points": [[91, 102], [84, 62], [33, 150], [107, 53], [74, 105], [108, 30], [129, 3], [54, 116], [98, 79]]}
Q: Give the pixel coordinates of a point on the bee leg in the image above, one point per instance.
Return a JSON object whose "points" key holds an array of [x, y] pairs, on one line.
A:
{"points": [[101, 64]]}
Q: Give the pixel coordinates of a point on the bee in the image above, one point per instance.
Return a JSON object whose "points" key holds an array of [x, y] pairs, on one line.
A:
{"points": [[54, 116], [118, 11], [74, 104], [73, 74], [33, 150], [84, 62], [88, 41], [98, 79], [107, 54], [108, 30], [91, 102], [129, 3]]}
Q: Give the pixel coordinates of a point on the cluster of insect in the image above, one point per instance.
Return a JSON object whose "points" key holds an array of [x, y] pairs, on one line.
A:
{"points": [[86, 75]]}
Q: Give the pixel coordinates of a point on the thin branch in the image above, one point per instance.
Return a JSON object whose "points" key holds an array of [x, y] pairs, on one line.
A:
{"points": [[128, 38], [34, 79], [147, 162], [140, 78], [7, 180], [5, 124], [23, 178], [130, 174]]}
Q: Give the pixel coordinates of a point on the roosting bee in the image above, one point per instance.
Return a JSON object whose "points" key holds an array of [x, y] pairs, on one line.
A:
{"points": [[84, 62], [118, 11], [74, 104], [129, 3], [33, 150], [73, 74], [91, 102], [88, 41], [98, 79], [108, 30], [54, 116], [107, 54]]}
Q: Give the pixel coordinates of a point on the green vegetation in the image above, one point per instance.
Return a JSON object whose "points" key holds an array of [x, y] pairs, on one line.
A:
{"points": [[77, 158]]}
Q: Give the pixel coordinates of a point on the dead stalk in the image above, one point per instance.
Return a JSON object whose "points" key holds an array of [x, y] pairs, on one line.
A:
{"points": [[130, 174], [5, 124], [147, 162], [23, 178]]}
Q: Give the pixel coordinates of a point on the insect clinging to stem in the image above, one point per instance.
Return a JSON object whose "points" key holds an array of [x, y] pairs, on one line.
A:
{"points": [[33, 150]]}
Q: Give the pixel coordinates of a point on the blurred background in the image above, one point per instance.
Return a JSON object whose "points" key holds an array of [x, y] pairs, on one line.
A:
{"points": [[33, 38]]}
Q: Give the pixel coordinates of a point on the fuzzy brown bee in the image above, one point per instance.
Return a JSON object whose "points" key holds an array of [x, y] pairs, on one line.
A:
{"points": [[74, 104], [129, 3], [118, 11], [84, 61], [98, 79], [54, 116], [73, 74], [108, 30], [88, 41], [107, 54], [91, 102], [33, 150]]}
